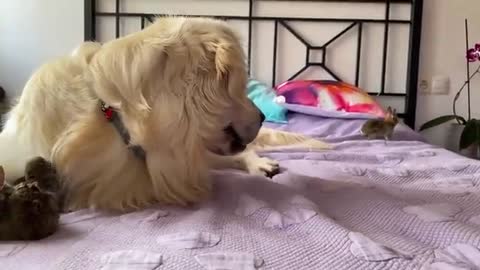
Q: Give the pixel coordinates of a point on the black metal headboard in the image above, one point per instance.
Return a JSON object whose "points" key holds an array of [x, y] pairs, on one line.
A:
{"points": [[414, 23]]}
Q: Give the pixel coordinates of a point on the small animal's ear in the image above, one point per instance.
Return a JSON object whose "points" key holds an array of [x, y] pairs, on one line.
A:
{"points": [[388, 115], [2, 177]]}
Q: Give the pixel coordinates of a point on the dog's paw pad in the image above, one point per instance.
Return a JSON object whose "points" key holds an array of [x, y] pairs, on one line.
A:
{"points": [[274, 170], [264, 167]]}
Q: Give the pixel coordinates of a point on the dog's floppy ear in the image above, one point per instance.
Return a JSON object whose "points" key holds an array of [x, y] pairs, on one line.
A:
{"points": [[230, 65], [228, 54], [222, 59], [119, 70]]}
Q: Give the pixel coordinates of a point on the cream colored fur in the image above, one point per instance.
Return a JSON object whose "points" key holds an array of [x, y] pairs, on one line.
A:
{"points": [[177, 84]]}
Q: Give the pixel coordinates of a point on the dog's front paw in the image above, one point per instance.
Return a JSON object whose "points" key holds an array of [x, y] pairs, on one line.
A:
{"points": [[263, 166]]}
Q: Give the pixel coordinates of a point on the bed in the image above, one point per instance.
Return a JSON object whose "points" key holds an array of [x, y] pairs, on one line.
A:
{"points": [[365, 204]]}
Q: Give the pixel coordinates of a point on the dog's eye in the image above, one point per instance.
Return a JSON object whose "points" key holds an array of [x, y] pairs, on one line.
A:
{"points": [[229, 129]]}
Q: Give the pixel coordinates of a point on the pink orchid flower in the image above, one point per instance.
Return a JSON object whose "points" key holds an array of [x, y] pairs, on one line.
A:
{"points": [[473, 54]]}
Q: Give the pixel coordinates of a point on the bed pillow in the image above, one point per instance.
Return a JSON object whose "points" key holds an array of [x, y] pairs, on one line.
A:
{"points": [[328, 99], [264, 98]]}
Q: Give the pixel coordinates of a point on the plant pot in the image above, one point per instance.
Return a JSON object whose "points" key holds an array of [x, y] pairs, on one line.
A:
{"points": [[453, 141], [471, 152]]}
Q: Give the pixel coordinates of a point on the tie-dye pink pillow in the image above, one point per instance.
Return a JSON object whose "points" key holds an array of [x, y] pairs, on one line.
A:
{"points": [[328, 98]]}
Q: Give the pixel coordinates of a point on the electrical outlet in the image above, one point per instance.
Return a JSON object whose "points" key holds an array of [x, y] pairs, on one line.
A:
{"points": [[440, 85], [424, 87]]}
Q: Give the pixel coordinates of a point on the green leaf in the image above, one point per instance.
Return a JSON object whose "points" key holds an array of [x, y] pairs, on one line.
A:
{"points": [[470, 134], [442, 119]]}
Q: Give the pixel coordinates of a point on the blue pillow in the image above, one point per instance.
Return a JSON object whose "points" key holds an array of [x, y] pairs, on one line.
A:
{"points": [[264, 98]]}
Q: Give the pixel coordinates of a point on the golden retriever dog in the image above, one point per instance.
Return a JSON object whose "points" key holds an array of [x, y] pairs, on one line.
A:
{"points": [[178, 87]]}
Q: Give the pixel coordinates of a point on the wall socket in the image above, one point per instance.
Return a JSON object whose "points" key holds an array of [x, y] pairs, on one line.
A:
{"points": [[440, 85], [423, 85]]}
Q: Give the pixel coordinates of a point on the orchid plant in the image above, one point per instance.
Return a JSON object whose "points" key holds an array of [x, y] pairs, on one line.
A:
{"points": [[473, 54], [471, 132]]}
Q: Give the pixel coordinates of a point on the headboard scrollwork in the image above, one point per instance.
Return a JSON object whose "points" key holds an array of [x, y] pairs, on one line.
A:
{"points": [[385, 18]]}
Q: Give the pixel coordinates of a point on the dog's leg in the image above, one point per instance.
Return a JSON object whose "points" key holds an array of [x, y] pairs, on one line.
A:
{"points": [[267, 139], [182, 178], [14, 153], [271, 139], [257, 165], [247, 161]]}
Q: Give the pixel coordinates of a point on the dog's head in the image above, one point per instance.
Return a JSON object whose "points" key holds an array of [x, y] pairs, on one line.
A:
{"points": [[190, 76], [222, 90], [208, 60]]}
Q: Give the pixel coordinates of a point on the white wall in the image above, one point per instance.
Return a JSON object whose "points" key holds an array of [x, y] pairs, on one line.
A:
{"points": [[443, 53], [33, 31]]}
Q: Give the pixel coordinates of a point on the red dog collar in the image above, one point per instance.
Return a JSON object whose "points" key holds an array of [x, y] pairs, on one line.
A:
{"points": [[113, 117], [107, 111]]}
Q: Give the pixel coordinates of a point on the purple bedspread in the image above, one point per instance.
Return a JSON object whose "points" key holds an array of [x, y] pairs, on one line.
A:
{"points": [[362, 205], [338, 130]]}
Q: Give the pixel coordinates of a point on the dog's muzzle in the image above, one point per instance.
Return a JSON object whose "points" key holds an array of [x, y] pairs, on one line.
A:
{"points": [[237, 143]]}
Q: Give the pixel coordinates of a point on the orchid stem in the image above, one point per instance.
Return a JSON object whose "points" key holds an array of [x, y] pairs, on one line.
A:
{"points": [[468, 70], [457, 95]]}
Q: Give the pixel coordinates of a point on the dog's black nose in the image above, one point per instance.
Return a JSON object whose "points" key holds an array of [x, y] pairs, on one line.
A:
{"points": [[262, 117]]}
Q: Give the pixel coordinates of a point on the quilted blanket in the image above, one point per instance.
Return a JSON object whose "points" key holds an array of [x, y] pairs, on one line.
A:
{"points": [[403, 204]]}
